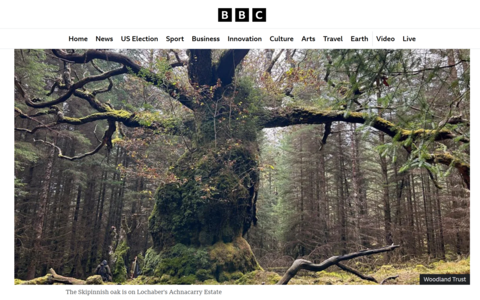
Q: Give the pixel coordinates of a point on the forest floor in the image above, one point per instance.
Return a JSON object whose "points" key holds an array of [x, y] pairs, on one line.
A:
{"points": [[408, 274]]}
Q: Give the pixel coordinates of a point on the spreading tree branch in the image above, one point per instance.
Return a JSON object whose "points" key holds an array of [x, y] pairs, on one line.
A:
{"points": [[32, 117], [293, 116], [131, 66], [416, 72], [60, 153], [173, 126], [104, 110], [106, 140], [448, 159], [110, 82], [38, 103], [283, 117]]}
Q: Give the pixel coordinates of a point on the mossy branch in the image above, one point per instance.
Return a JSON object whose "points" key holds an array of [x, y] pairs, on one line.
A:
{"points": [[172, 126], [65, 280], [53, 278], [448, 159], [293, 116]]}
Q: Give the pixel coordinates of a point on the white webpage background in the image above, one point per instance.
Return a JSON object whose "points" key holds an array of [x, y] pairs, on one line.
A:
{"points": [[448, 24]]}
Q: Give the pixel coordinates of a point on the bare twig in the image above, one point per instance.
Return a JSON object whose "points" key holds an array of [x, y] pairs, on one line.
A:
{"points": [[364, 277], [60, 153]]}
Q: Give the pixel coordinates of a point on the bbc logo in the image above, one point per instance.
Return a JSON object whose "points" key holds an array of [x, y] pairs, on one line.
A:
{"points": [[242, 15]]}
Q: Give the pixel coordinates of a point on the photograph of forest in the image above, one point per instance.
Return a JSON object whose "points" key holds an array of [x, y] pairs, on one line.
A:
{"points": [[234, 166]]}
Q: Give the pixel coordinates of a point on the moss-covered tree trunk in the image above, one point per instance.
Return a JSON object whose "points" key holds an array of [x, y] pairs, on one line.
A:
{"points": [[199, 219], [201, 216]]}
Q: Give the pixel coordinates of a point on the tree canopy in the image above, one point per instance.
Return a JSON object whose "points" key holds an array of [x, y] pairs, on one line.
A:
{"points": [[361, 74]]}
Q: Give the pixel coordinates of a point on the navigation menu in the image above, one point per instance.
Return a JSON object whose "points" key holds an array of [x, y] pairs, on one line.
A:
{"points": [[260, 38]]}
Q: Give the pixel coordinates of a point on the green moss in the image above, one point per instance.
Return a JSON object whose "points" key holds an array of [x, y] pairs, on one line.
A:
{"points": [[95, 279], [120, 269], [165, 278], [38, 281], [382, 121], [460, 267], [222, 277], [408, 274], [212, 199], [221, 261], [141, 280], [119, 115], [203, 275], [421, 268], [438, 263], [211, 282], [181, 260], [329, 274], [235, 275], [232, 258], [151, 261], [18, 281], [259, 277], [190, 279]]}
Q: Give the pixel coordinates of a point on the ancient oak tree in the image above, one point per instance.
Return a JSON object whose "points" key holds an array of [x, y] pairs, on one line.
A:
{"points": [[202, 213]]}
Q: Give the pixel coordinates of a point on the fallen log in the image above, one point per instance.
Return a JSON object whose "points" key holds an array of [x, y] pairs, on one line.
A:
{"points": [[55, 278], [302, 264], [52, 277]]}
